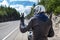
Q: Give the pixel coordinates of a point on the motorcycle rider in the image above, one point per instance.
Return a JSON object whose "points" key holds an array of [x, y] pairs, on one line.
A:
{"points": [[40, 24]]}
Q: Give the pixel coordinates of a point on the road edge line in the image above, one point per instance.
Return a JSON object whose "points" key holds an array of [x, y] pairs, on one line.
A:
{"points": [[9, 34]]}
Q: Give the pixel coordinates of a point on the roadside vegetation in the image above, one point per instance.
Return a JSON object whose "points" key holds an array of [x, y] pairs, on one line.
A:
{"points": [[50, 5], [8, 14]]}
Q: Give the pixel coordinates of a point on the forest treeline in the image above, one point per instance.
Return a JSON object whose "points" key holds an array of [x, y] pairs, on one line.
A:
{"points": [[52, 6], [8, 14]]}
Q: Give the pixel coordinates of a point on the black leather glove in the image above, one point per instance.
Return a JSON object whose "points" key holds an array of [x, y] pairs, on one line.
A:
{"points": [[22, 18]]}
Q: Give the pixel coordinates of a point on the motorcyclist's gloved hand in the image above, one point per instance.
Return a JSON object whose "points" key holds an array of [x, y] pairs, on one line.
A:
{"points": [[22, 18]]}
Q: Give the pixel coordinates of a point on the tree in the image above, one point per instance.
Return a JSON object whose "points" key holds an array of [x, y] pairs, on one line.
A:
{"points": [[8, 13], [51, 6]]}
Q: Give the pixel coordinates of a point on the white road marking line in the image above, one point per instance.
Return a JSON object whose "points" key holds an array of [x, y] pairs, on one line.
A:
{"points": [[9, 34]]}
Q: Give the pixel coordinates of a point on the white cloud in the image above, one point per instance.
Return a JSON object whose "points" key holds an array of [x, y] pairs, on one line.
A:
{"points": [[20, 7], [27, 10], [4, 3]]}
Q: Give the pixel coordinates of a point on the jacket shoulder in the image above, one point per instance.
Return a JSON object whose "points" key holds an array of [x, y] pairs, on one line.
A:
{"points": [[32, 18]]}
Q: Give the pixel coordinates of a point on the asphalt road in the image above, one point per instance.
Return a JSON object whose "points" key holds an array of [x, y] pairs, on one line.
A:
{"points": [[10, 31], [8, 28]]}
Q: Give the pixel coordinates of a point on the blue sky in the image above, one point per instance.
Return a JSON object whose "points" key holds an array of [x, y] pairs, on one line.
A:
{"points": [[19, 5]]}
